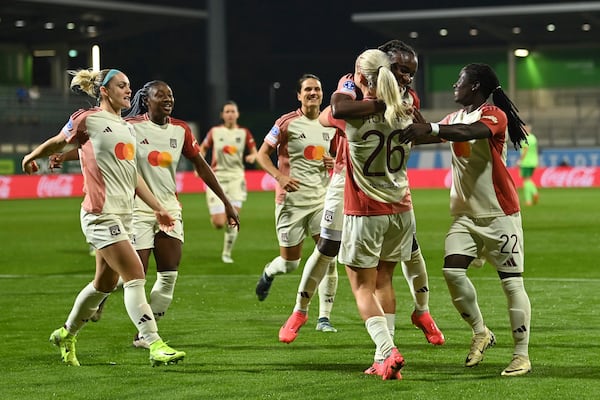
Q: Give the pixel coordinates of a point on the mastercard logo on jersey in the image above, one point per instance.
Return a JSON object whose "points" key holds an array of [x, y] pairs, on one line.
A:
{"points": [[125, 151], [229, 149], [160, 159], [314, 152]]}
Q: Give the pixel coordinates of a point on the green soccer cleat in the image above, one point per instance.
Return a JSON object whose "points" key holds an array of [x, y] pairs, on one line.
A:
{"points": [[163, 354], [66, 342]]}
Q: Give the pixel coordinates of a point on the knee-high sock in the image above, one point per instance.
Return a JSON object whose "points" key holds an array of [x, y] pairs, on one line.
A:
{"points": [[139, 310], [280, 266], [415, 273], [378, 330], [162, 293], [390, 319], [328, 289], [314, 272], [230, 236], [464, 297], [86, 304], [519, 311]]}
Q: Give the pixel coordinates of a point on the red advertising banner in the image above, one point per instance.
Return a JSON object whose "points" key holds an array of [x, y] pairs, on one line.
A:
{"points": [[67, 185]]}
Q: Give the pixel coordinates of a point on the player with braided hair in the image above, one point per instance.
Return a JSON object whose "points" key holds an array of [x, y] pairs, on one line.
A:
{"points": [[161, 141], [485, 206], [346, 103], [107, 146]]}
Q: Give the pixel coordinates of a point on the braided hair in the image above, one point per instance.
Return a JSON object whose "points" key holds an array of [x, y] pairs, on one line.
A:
{"points": [[139, 102], [395, 46], [490, 85]]}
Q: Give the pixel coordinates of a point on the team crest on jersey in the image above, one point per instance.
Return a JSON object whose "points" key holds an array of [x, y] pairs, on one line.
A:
{"points": [[173, 143], [328, 216], [325, 136], [491, 118], [114, 230], [238, 140]]}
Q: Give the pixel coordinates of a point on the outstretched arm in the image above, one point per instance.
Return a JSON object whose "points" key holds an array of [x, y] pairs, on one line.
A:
{"points": [[434, 133], [343, 106], [52, 145]]}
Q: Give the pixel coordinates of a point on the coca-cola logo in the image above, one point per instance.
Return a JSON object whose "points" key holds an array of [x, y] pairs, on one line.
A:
{"points": [[4, 187], [55, 186], [568, 177]]}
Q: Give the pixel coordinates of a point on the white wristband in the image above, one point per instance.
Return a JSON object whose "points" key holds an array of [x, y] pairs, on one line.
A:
{"points": [[435, 129]]}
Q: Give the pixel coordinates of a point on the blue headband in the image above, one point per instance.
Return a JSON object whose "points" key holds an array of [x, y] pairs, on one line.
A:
{"points": [[109, 76]]}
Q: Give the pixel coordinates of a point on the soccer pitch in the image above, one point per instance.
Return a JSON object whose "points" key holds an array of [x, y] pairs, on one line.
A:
{"points": [[231, 338]]}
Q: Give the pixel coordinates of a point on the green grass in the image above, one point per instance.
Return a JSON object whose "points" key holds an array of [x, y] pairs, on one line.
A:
{"points": [[231, 338]]}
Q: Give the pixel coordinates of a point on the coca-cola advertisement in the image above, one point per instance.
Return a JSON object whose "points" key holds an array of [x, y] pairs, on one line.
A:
{"points": [[569, 177], [68, 185]]}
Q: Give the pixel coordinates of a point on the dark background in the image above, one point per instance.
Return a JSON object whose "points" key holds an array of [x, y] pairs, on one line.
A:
{"points": [[266, 41]]}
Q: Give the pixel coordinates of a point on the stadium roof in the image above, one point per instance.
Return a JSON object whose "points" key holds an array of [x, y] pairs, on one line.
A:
{"points": [[556, 24], [72, 22]]}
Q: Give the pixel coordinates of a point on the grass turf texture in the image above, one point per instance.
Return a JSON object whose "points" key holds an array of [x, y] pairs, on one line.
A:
{"points": [[231, 338]]}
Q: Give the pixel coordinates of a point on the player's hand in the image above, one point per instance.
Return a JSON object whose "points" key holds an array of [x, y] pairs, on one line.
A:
{"points": [[29, 166], [55, 161], [417, 116], [328, 161], [250, 158], [233, 218], [165, 220], [288, 183]]}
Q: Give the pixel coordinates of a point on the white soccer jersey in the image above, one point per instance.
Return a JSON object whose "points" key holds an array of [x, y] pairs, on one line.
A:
{"points": [[159, 148], [481, 184], [228, 147], [301, 143], [107, 156], [376, 176]]}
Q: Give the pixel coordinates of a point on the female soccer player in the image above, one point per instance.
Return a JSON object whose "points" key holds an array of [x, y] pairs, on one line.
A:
{"points": [[302, 174], [378, 222], [404, 65], [229, 142], [107, 150], [485, 206], [162, 141]]}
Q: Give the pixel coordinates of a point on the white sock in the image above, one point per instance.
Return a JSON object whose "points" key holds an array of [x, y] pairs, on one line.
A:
{"points": [[390, 320], [162, 293], [313, 273], [378, 330], [139, 310], [519, 311], [464, 297], [280, 266], [415, 272], [230, 237], [328, 289], [86, 304]]}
